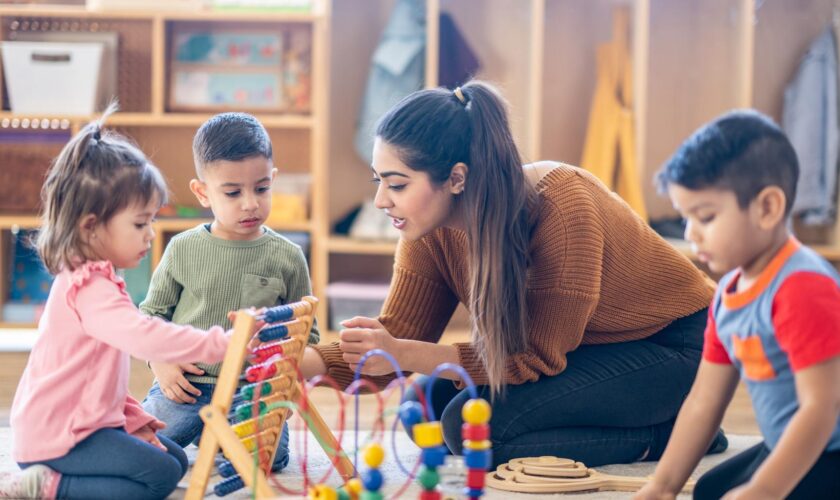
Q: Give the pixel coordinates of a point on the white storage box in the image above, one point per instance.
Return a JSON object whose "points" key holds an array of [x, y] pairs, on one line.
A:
{"points": [[348, 299], [52, 78]]}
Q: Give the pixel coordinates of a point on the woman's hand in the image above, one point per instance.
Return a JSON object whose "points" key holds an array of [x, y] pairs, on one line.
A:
{"points": [[148, 433], [361, 335], [173, 384]]}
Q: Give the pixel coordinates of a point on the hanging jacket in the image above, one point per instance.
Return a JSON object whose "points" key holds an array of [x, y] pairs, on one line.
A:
{"points": [[397, 69], [809, 118]]}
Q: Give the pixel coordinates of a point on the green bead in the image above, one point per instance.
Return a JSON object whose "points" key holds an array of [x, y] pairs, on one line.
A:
{"points": [[371, 495], [428, 478], [343, 495]]}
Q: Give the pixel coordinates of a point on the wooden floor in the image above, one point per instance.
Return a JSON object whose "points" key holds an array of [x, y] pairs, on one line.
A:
{"points": [[739, 418]]}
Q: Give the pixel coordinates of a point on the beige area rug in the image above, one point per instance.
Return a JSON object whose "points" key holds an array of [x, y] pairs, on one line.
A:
{"points": [[318, 465], [409, 453]]}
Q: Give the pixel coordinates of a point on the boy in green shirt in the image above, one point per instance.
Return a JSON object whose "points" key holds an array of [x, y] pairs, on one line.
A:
{"points": [[232, 263]]}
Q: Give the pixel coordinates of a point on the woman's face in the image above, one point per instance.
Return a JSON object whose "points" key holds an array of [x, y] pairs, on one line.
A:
{"points": [[416, 205]]}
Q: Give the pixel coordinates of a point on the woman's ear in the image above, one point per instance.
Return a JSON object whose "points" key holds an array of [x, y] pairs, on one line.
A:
{"points": [[458, 178], [199, 189], [770, 207]]}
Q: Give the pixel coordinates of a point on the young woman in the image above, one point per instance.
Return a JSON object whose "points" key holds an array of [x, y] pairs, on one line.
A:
{"points": [[587, 327]]}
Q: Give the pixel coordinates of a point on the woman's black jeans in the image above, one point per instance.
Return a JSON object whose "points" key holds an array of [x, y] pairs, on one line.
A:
{"points": [[614, 403]]}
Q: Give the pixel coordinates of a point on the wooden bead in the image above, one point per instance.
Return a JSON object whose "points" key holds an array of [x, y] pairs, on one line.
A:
{"points": [[428, 434], [477, 445], [475, 432], [373, 455], [322, 492], [476, 411]]}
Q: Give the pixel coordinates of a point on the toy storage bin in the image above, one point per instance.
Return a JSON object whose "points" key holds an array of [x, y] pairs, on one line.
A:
{"points": [[348, 299], [52, 78]]}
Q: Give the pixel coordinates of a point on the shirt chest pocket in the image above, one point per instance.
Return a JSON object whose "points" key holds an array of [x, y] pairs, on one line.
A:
{"points": [[261, 291]]}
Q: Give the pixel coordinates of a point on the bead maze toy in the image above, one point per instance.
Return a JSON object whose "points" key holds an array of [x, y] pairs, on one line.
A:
{"points": [[428, 435], [250, 445], [560, 475]]}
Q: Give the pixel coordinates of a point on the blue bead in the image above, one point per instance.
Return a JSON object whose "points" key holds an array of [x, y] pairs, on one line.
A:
{"points": [[372, 479], [279, 313], [228, 486], [434, 457], [275, 332], [226, 469], [473, 493], [411, 413], [478, 459]]}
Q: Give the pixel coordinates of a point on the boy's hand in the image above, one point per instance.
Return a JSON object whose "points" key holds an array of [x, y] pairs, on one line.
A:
{"points": [[172, 382], [653, 491], [148, 433]]}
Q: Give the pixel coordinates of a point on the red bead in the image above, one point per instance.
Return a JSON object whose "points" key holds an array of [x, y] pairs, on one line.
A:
{"points": [[475, 478], [475, 432], [430, 495]]}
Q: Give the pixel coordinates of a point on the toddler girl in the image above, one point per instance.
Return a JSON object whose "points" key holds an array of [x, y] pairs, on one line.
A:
{"points": [[77, 431]]}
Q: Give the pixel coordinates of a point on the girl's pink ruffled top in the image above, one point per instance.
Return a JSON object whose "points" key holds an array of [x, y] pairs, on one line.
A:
{"points": [[76, 380]]}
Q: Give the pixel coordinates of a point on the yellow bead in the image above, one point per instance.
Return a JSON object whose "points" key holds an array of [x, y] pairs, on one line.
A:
{"points": [[322, 492], [373, 455], [428, 434], [477, 445], [476, 411], [354, 487]]}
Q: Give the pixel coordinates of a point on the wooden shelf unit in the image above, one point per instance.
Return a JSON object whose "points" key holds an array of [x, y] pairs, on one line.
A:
{"points": [[299, 139], [692, 59]]}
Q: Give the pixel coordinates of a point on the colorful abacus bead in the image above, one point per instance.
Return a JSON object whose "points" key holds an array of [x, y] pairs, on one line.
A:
{"points": [[228, 486], [263, 352], [275, 332], [278, 313]]}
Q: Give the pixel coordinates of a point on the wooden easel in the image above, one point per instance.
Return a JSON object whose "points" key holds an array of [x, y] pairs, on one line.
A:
{"points": [[265, 433], [610, 148]]}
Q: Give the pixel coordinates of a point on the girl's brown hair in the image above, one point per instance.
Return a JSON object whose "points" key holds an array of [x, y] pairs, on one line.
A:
{"points": [[434, 129], [100, 173]]}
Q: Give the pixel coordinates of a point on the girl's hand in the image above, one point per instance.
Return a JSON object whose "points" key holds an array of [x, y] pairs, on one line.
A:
{"points": [[172, 382], [361, 335], [255, 339], [148, 433], [652, 491]]}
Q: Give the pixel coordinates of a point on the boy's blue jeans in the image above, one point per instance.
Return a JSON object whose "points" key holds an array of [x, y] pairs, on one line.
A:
{"points": [[111, 464], [184, 425]]}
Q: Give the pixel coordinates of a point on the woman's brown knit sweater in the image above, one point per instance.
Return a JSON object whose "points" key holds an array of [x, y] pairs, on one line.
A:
{"points": [[598, 275]]}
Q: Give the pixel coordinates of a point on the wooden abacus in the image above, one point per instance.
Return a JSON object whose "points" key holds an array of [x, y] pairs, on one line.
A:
{"points": [[259, 434]]}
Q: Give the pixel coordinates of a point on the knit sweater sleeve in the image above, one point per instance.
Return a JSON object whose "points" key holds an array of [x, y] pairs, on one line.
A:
{"points": [[418, 307], [164, 290], [563, 292]]}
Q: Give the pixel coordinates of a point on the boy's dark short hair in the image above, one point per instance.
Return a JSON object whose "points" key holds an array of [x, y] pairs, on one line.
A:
{"points": [[230, 137], [742, 151]]}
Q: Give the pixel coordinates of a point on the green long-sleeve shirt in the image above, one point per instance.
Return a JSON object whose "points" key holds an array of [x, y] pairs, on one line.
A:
{"points": [[201, 278]]}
